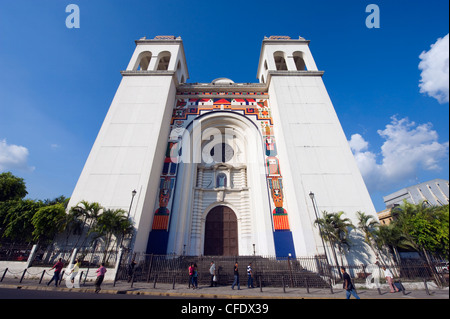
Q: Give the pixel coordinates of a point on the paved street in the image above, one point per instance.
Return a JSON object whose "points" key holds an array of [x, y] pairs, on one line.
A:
{"points": [[139, 290], [30, 297]]}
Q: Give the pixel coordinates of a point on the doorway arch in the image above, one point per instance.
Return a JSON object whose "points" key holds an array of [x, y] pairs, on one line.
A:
{"points": [[221, 232]]}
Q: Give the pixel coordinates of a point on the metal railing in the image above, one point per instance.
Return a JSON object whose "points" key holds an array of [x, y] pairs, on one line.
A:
{"points": [[306, 272], [268, 271]]}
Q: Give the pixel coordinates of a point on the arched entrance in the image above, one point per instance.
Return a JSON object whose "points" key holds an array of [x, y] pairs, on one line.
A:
{"points": [[221, 232]]}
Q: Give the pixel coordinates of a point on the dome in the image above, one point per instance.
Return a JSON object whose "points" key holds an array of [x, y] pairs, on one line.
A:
{"points": [[222, 81]]}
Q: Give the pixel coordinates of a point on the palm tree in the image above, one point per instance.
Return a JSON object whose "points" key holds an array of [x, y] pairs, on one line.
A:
{"points": [[390, 236], [73, 224], [368, 225], [90, 212], [403, 214], [335, 230], [112, 222], [342, 228]]}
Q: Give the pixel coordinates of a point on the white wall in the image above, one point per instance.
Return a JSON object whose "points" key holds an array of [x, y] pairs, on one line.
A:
{"points": [[129, 150], [314, 156]]}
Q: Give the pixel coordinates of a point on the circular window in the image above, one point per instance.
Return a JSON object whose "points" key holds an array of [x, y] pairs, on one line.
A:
{"points": [[222, 153]]}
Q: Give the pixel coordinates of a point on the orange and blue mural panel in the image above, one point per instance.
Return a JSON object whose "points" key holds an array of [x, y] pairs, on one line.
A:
{"points": [[255, 107]]}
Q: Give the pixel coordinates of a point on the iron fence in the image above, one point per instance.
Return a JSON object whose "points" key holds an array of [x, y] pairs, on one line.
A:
{"points": [[14, 252], [267, 271], [310, 272], [47, 256], [307, 272]]}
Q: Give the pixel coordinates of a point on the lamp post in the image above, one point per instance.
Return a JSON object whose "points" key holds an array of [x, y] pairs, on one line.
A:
{"points": [[133, 193], [311, 195]]}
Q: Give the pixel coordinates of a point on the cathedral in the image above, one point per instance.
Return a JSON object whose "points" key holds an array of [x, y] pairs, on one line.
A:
{"points": [[224, 168]]}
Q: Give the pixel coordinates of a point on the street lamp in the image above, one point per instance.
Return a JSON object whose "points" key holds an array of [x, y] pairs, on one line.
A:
{"points": [[311, 195], [133, 193]]}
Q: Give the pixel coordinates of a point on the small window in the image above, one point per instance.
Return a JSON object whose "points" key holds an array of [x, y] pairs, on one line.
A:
{"points": [[221, 180]]}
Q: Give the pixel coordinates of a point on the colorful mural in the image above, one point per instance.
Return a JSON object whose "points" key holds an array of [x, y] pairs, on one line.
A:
{"points": [[255, 107]]}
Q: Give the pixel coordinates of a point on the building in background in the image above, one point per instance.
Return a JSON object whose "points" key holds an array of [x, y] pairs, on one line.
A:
{"points": [[225, 168], [434, 192]]}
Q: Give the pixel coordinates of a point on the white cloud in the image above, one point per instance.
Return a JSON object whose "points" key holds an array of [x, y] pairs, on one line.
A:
{"points": [[13, 157], [435, 70], [407, 149], [357, 143]]}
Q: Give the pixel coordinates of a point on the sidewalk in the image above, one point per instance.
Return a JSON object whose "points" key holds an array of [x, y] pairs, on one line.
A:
{"points": [[224, 292]]}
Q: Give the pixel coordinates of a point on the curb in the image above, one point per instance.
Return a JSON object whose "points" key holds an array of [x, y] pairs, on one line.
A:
{"points": [[159, 294], [187, 295]]}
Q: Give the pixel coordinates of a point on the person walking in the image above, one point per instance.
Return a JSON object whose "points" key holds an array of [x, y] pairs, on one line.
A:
{"points": [[348, 285], [195, 277], [100, 276], [191, 275], [212, 272], [250, 276], [236, 277], [390, 279], [74, 272], [58, 267]]}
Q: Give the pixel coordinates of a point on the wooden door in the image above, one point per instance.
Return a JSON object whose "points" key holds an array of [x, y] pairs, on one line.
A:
{"points": [[221, 235]]}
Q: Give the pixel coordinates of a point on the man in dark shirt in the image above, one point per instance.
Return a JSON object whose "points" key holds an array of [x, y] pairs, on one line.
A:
{"points": [[348, 285], [58, 267], [236, 277]]}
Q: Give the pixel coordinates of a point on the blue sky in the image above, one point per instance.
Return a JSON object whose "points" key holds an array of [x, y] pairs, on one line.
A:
{"points": [[56, 84]]}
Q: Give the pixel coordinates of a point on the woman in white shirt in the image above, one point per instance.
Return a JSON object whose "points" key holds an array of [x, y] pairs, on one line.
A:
{"points": [[74, 272], [390, 279]]}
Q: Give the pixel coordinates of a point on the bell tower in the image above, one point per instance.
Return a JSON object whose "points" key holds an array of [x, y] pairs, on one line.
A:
{"points": [[128, 153], [313, 152]]}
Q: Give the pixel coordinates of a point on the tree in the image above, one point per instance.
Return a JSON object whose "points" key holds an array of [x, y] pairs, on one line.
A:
{"points": [[48, 221], [87, 212], [425, 227], [112, 222], [58, 200], [11, 187], [17, 225], [335, 230], [391, 237], [368, 225]]}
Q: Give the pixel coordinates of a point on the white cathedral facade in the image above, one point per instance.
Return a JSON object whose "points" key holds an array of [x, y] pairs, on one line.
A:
{"points": [[224, 168]]}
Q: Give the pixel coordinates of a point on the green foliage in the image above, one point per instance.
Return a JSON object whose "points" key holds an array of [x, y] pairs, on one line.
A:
{"points": [[25, 220], [16, 222], [421, 227], [335, 229], [48, 221], [11, 187]]}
